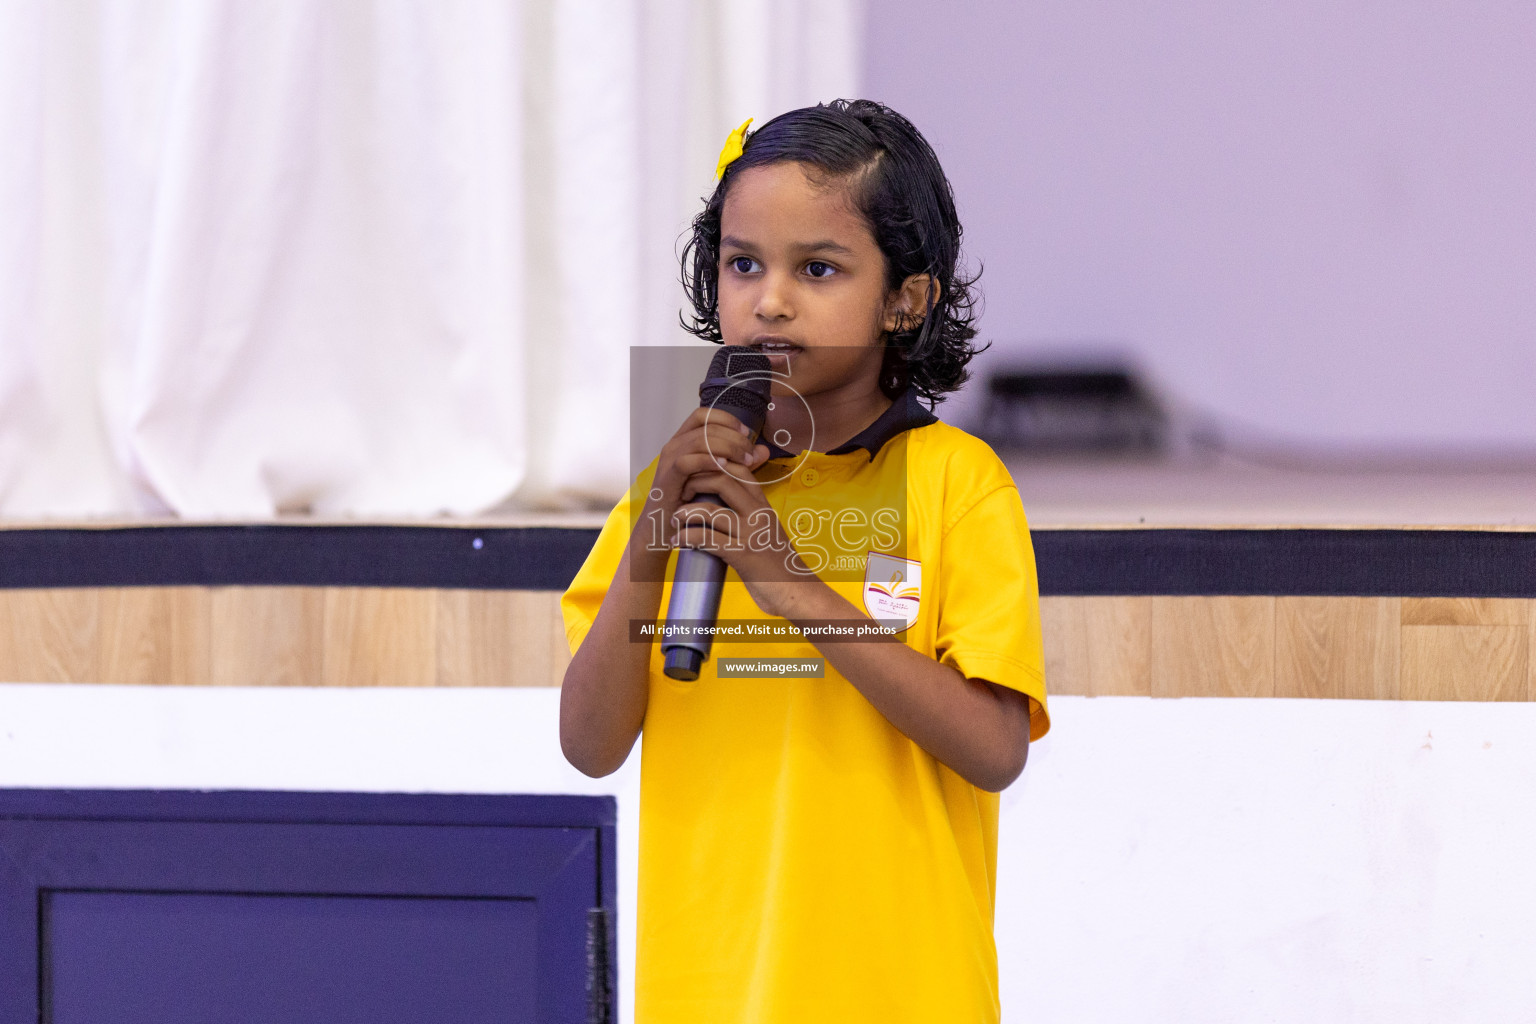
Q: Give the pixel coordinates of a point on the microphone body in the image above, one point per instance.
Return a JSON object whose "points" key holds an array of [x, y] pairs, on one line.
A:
{"points": [[696, 585], [738, 382]]}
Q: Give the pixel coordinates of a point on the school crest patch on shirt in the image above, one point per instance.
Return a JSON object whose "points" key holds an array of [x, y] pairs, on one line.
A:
{"points": [[892, 588]]}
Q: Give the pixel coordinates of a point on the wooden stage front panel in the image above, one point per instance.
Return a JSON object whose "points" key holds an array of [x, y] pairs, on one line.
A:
{"points": [[1388, 648]]}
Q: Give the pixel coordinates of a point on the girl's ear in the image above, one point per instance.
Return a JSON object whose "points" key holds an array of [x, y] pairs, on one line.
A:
{"points": [[908, 305]]}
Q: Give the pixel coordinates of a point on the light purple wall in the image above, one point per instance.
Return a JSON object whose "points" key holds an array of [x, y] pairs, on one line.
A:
{"points": [[1314, 218]]}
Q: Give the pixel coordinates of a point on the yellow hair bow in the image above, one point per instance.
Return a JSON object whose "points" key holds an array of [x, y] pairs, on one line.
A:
{"points": [[732, 150]]}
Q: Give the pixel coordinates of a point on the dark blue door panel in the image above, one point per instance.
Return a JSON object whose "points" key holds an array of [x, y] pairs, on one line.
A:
{"points": [[235, 907], [191, 958]]}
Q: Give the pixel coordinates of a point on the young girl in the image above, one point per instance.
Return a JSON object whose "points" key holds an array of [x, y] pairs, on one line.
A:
{"points": [[821, 848]]}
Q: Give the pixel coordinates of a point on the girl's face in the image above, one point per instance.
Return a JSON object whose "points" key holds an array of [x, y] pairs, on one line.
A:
{"points": [[802, 279]]}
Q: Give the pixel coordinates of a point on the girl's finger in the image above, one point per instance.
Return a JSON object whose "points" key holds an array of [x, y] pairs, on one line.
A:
{"points": [[704, 469], [720, 417], [706, 527], [727, 443], [730, 489], [703, 483], [701, 464], [710, 415], [745, 483]]}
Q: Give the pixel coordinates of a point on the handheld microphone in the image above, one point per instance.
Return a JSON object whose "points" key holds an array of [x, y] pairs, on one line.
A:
{"points": [[738, 382]]}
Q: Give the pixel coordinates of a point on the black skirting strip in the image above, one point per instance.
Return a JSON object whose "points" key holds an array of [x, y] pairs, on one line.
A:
{"points": [[519, 558], [1337, 563], [1287, 563]]}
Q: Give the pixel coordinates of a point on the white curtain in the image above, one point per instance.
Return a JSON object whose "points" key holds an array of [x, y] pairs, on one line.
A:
{"points": [[355, 258]]}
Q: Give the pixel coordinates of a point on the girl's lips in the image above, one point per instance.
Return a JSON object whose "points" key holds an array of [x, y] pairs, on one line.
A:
{"points": [[781, 353], [780, 360], [778, 354]]}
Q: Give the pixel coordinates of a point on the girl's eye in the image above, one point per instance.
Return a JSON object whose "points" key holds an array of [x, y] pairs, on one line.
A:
{"points": [[743, 264], [818, 269]]}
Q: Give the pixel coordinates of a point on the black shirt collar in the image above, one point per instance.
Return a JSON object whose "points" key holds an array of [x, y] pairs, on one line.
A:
{"points": [[907, 412]]}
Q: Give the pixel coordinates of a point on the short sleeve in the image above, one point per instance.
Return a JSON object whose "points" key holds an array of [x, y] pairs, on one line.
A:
{"points": [[989, 601], [581, 601]]}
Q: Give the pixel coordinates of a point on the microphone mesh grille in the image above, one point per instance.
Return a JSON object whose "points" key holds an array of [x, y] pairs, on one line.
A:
{"points": [[739, 382]]}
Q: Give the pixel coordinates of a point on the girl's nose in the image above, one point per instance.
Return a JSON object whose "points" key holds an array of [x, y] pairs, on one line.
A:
{"points": [[773, 301]]}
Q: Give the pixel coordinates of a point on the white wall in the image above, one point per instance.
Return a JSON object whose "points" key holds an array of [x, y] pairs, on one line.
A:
{"points": [[1191, 860], [1224, 860], [1313, 218]]}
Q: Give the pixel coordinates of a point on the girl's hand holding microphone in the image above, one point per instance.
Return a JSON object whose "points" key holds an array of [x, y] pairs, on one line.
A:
{"points": [[706, 435], [713, 454]]}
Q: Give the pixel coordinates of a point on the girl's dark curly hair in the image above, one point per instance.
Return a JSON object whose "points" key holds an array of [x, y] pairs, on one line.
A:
{"points": [[899, 188]]}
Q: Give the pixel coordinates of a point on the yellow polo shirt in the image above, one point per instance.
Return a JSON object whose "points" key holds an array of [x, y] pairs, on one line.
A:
{"points": [[801, 860]]}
